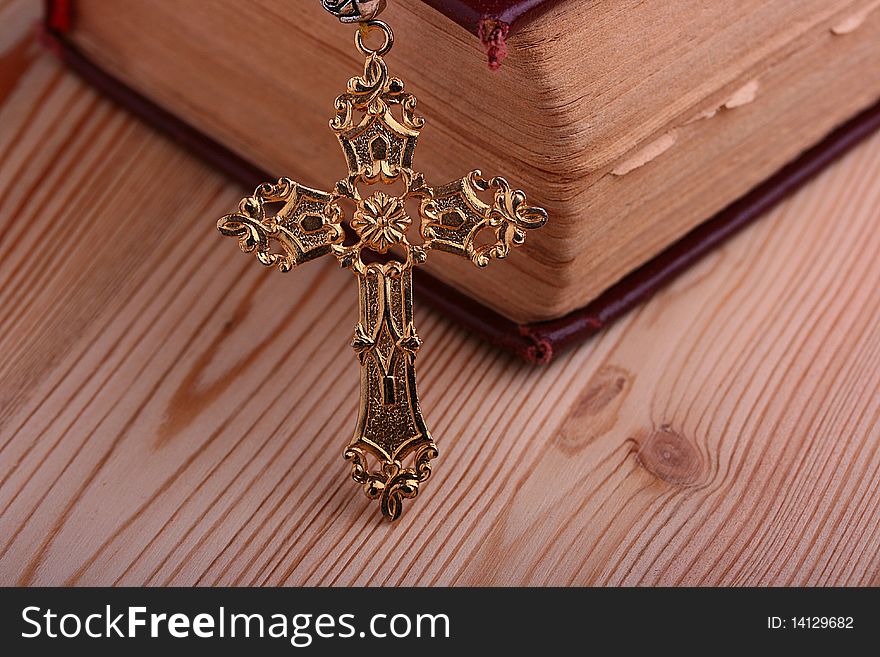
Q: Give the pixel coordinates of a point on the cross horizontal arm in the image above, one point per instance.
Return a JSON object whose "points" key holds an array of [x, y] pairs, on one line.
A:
{"points": [[454, 216], [304, 228]]}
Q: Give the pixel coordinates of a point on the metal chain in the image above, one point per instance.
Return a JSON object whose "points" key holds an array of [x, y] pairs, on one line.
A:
{"points": [[354, 11]]}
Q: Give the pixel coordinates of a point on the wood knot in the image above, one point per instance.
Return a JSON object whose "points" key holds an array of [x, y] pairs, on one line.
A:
{"points": [[595, 411], [603, 388], [669, 456]]}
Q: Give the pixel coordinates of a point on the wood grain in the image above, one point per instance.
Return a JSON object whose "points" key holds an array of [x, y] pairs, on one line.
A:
{"points": [[171, 413]]}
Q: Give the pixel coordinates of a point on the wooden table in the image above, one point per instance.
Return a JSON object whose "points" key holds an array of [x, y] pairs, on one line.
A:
{"points": [[173, 414]]}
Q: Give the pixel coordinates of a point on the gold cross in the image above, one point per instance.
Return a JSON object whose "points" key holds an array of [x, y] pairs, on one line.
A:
{"points": [[392, 449]]}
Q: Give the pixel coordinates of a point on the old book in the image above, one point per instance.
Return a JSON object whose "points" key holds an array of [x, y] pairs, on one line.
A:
{"points": [[631, 122]]}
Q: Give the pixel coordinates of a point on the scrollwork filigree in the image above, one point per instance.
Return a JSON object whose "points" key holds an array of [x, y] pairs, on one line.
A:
{"points": [[392, 483], [454, 216], [304, 228]]}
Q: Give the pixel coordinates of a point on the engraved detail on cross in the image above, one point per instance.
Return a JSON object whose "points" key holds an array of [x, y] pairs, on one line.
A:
{"points": [[392, 449]]}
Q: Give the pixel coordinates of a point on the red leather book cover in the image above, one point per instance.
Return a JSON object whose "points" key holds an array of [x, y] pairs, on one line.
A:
{"points": [[538, 342], [469, 13]]}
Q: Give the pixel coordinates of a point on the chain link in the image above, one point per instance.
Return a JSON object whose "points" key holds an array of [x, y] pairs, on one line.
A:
{"points": [[354, 11]]}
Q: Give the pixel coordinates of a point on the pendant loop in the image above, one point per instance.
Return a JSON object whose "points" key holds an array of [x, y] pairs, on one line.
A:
{"points": [[365, 28]]}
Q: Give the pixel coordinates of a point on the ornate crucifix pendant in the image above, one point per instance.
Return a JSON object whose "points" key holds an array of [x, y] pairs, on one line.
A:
{"points": [[392, 449]]}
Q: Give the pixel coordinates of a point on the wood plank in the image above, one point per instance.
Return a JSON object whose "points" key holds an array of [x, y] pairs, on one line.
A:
{"points": [[171, 413]]}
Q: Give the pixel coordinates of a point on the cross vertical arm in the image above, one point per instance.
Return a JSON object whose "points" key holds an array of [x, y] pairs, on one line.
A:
{"points": [[390, 427]]}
